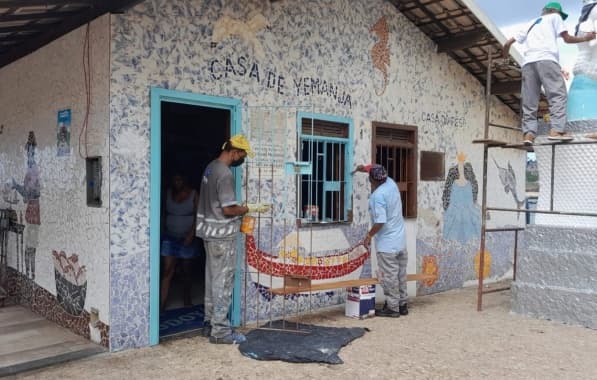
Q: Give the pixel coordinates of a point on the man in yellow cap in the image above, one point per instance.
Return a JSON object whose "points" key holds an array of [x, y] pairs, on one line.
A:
{"points": [[218, 224], [541, 67]]}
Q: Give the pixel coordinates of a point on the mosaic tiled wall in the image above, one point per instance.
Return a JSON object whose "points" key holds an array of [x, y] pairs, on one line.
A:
{"points": [[42, 176], [331, 56], [24, 291]]}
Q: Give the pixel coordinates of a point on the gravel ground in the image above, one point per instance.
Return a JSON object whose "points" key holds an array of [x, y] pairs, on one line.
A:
{"points": [[443, 337]]}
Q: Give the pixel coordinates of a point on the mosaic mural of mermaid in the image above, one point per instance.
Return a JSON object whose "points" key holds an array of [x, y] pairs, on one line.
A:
{"points": [[462, 218], [30, 192]]}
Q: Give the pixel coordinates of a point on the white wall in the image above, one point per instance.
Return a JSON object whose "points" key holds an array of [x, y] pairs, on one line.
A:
{"points": [[32, 90]]}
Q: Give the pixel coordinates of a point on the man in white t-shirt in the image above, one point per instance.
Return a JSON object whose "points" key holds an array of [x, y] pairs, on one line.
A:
{"points": [[541, 67]]}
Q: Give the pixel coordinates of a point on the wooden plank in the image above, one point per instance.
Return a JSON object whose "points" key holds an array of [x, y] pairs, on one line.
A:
{"points": [[506, 88], [325, 286], [489, 142], [420, 277], [461, 41], [528, 148], [344, 284]]}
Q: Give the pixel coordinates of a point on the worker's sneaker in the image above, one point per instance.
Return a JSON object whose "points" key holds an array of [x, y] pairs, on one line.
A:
{"points": [[206, 331], [559, 136], [232, 338], [529, 139], [403, 309], [387, 312]]}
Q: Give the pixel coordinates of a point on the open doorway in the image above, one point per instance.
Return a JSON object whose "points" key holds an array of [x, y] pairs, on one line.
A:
{"points": [[191, 136]]}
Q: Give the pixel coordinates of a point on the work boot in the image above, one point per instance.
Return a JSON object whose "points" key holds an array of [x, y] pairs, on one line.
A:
{"points": [[403, 309], [232, 338], [206, 331], [385, 311], [529, 139], [559, 136]]}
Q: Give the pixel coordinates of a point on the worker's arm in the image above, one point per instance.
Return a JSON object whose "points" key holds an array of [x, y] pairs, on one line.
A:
{"points": [[235, 210], [506, 47], [376, 227], [576, 40]]}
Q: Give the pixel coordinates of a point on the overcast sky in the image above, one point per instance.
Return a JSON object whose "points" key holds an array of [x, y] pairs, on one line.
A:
{"points": [[513, 15]]}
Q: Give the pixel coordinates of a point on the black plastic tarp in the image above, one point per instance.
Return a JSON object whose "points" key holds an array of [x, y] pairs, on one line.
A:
{"points": [[306, 344]]}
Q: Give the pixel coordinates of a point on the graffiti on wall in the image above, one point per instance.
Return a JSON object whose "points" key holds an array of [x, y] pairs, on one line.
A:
{"points": [[71, 282], [508, 180], [444, 119], [462, 218], [30, 192], [272, 79], [380, 52]]}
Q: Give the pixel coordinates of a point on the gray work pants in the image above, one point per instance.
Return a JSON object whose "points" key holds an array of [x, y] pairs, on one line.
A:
{"points": [[534, 75], [220, 262], [392, 275]]}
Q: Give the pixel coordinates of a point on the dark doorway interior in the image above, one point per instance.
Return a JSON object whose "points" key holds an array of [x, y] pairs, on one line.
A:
{"points": [[192, 136]]}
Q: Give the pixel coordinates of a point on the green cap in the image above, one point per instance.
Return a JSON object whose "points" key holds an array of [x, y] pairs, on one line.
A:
{"points": [[557, 7]]}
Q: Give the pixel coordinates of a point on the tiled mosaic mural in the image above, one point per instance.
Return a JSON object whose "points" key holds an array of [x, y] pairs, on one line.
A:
{"points": [[43, 179], [331, 57], [24, 291]]}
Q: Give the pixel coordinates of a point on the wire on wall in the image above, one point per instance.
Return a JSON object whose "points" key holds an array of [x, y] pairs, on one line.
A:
{"points": [[87, 78]]}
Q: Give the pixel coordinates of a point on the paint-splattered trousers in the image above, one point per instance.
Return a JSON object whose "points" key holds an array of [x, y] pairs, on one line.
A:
{"points": [[547, 74], [391, 269], [220, 262]]}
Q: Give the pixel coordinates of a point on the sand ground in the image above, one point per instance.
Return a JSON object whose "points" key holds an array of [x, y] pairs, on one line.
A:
{"points": [[444, 337]]}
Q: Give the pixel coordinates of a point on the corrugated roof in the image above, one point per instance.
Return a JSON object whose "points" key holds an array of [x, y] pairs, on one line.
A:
{"points": [[27, 25], [461, 30]]}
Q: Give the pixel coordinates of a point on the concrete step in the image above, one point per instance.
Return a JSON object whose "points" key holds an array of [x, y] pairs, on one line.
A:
{"points": [[28, 341], [559, 239], [555, 303], [566, 269]]}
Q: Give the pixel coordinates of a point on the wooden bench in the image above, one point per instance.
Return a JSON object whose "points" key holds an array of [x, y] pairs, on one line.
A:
{"points": [[294, 284]]}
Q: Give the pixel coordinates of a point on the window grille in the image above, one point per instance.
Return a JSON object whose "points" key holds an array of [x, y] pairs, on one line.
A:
{"points": [[395, 147], [324, 192]]}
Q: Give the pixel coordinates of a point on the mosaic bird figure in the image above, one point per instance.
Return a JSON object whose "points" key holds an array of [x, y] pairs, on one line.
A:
{"points": [[508, 179], [226, 27]]}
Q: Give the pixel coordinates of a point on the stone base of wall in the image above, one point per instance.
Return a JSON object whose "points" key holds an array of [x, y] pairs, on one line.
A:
{"points": [[24, 291], [556, 275]]}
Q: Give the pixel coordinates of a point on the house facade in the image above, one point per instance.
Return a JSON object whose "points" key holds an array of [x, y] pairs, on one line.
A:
{"points": [[318, 87]]}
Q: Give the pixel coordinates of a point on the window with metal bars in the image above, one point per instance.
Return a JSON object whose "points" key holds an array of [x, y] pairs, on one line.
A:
{"points": [[395, 147], [325, 143]]}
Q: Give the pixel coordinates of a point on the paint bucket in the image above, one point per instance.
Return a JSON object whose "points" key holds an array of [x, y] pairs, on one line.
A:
{"points": [[311, 213], [247, 225]]}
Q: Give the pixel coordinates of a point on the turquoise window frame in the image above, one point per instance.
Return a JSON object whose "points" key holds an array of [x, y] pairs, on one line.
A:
{"points": [[159, 95], [348, 152]]}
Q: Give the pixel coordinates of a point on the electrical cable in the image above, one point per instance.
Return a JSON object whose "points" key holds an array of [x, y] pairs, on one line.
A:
{"points": [[87, 79]]}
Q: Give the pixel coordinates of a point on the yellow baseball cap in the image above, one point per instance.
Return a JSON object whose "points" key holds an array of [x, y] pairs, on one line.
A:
{"points": [[241, 142]]}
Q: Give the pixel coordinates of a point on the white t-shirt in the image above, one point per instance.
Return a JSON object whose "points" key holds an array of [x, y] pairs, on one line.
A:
{"points": [[540, 43]]}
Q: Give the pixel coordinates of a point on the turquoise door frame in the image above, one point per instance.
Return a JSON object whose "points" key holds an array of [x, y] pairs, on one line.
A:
{"points": [[159, 95]]}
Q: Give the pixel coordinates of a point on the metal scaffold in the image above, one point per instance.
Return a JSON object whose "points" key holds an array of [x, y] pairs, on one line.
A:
{"points": [[489, 143]]}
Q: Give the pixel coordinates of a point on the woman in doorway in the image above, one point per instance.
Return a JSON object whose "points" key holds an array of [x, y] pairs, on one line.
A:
{"points": [[178, 238]]}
